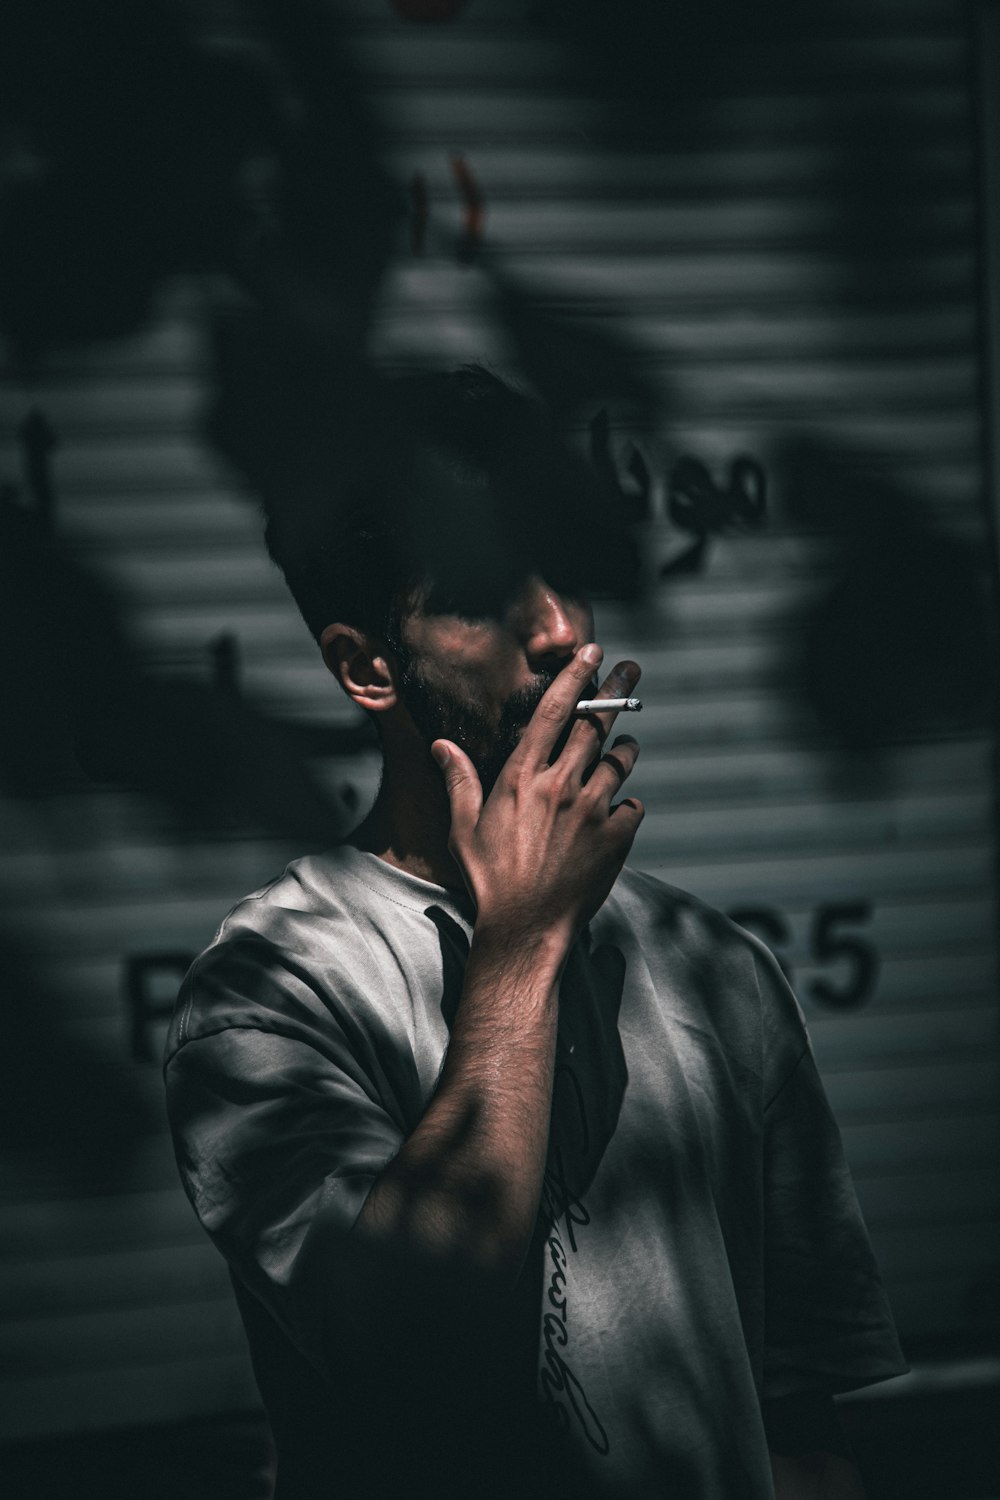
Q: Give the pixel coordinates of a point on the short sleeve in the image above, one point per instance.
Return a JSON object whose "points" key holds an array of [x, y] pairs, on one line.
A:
{"points": [[279, 1139], [828, 1325]]}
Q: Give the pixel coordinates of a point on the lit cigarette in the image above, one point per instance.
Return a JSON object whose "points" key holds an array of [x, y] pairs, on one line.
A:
{"points": [[609, 706]]}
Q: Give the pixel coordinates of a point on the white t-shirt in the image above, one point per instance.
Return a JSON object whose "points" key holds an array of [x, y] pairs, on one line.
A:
{"points": [[700, 1248]]}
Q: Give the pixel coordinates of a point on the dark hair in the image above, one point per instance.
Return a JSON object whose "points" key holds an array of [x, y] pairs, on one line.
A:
{"points": [[450, 485]]}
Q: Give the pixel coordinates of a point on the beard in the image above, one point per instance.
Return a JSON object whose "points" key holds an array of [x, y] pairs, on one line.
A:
{"points": [[488, 742]]}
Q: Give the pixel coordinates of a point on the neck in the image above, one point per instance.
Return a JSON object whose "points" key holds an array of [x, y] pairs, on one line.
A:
{"points": [[410, 821]]}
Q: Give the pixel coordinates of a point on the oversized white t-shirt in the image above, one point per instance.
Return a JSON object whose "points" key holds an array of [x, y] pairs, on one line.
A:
{"points": [[700, 1248]]}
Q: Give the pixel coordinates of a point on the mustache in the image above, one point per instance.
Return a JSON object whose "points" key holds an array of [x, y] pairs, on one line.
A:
{"points": [[515, 714], [520, 706]]}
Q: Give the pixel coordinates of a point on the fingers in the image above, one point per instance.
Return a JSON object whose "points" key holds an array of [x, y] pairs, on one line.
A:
{"points": [[614, 766], [465, 790], [553, 716], [627, 815], [553, 712], [590, 731]]}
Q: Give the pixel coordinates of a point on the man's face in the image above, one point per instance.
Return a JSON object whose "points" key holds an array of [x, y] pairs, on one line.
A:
{"points": [[477, 681]]}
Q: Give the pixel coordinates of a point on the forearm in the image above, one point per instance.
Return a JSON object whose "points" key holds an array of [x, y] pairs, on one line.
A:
{"points": [[467, 1181]]}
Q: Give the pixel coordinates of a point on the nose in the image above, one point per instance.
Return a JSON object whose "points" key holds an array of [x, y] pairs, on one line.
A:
{"points": [[552, 628]]}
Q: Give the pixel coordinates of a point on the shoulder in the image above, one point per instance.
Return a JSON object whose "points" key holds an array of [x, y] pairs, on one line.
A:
{"points": [[700, 958], [272, 961], [341, 950], [667, 917]]}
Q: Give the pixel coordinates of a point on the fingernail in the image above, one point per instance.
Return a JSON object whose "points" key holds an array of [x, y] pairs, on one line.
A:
{"points": [[440, 754], [591, 655]]}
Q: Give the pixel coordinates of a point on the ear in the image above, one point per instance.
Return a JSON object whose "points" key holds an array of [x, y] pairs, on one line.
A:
{"points": [[362, 666]]}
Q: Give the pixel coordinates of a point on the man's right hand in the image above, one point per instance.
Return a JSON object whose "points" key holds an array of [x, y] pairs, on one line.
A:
{"points": [[541, 854], [539, 857]]}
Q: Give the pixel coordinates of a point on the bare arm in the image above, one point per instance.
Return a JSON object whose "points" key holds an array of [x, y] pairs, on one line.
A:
{"points": [[468, 1179], [539, 858]]}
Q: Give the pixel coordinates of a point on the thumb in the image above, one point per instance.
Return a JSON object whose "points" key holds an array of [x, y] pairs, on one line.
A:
{"points": [[465, 790]]}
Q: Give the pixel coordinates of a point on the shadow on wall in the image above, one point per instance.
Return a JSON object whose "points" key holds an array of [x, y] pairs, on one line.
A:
{"points": [[667, 77], [901, 644], [148, 145], [87, 709], [158, 144]]}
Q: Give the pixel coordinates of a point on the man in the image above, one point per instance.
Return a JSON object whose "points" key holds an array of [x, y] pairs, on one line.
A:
{"points": [[464, 1101]]}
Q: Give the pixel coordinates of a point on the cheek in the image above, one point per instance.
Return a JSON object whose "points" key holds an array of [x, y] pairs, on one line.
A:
{"points": [[465, 658], [482, 677], [445, 639]]}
